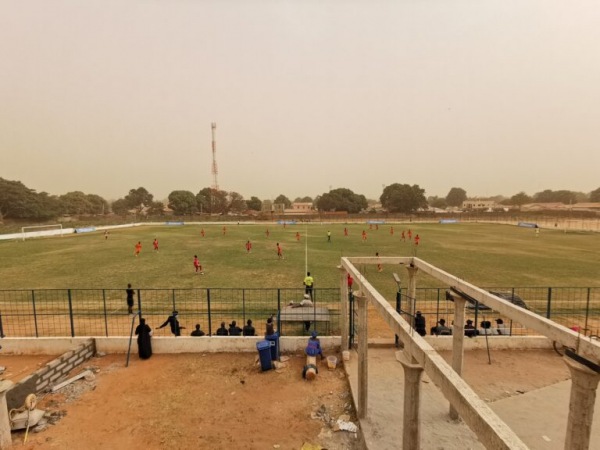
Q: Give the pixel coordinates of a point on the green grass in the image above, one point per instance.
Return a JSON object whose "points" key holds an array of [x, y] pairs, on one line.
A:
{"points": [[487, 255]]}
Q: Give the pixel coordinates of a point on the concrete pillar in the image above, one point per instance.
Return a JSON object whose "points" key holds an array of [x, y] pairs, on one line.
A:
{"points": [[5, 437], [412, 292], [363, 356], [344, 310], [411, 423], [458, 337], [584, 383]]}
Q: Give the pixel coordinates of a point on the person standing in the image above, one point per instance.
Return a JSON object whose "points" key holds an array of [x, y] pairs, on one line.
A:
{"points": [[138, 249], [345, 231], [308, 284], [328, 236], [279, 252], [224, 230], [106, 233], [197, 265], [409, 235], [267, 233], [417, 239], [364, 236], [248, 246], [379, 267], [248, 329], [155, 243], [298, 236], [144, 339], [173, 322], [403, 236], [202, 233], [130, 293], [420, 324], [392, 231], [270, 328]]}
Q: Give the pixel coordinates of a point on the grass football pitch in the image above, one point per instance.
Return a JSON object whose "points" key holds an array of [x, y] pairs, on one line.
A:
{"points": [[486, 255]]}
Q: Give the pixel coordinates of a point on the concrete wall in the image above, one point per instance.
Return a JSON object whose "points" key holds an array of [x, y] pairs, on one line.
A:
{"points": [[47, 376], [182, 344]]}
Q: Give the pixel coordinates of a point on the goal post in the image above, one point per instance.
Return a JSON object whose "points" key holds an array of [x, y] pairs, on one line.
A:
{"points": [[41, 230]]}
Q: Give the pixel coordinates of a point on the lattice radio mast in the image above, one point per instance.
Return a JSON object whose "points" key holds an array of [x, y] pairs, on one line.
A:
{"points": [[215, 171]]}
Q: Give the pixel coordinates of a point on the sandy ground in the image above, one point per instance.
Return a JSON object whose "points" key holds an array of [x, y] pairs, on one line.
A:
{"points": [[197, 401], [218, 401]]}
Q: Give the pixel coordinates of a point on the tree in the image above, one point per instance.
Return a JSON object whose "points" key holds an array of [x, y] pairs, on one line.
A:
{"points": [[456, 197], [549, 196], [157, 208], [283, 199], [17, 201], [98, 204], [403, 198], [119, 206], [138, 198], [520, 199], [183, 202], [212, 201], [341, 199], [595, 195], [437, 202], [237, 204], [254, 203], [75, 203], [306, 199]]}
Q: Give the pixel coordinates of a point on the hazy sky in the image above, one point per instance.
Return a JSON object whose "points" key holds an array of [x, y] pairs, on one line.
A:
{"points": [[494, 96]]}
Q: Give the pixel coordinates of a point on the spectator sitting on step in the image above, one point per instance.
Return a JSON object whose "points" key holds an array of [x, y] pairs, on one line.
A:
{"points": [[313, 348], [197, 332], [470, 330], [500, 328], [420, 326], [441, 329], [234, 330], [222, 331], [486, 328], [248, 329]]}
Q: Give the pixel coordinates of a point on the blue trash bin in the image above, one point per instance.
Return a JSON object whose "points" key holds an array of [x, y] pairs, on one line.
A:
{"points": [[264, 354], [274, 342]]}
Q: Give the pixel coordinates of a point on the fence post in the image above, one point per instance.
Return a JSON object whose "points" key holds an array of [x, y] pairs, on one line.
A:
{"points": [[399, 311], [105, 318], [549, 303], [587, 309], [34, 313], [71, 312], [278, 310], [139, 293], [173, 296], [1, 327], [351, 301], [209, 312], [243, 305]]}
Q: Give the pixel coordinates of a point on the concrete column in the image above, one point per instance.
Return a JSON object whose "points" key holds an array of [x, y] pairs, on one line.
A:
{"points": [[5, 437], [411, 432], [584, 383], [363, 356], [458, 337], [344, 310], [412, 292]]}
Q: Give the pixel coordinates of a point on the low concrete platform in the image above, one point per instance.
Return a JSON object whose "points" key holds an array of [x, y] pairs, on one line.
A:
{"points": [[538, 417]]}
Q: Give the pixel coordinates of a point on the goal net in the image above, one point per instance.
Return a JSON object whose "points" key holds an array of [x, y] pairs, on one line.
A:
{"points": [[41, 230]]}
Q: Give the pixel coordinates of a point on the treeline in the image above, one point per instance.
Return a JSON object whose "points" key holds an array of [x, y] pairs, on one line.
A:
{"points": [[19, 202]]}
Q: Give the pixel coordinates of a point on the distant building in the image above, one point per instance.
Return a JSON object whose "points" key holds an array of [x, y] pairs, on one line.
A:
{"points": [[267, 206], [479, 205]]}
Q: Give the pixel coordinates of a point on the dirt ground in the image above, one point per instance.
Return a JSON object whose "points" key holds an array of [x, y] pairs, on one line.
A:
{"points": [[197, 401], [221, 401]]}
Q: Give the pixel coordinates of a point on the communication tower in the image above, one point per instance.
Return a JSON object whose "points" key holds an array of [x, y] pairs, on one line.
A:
{"points": [[215, 171]]}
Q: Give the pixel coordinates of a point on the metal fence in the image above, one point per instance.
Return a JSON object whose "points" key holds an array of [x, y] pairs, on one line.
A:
{"points": [[569, 306], [104, 312]]}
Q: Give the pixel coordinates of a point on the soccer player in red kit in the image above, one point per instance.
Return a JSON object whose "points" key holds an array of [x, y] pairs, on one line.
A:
{"points": [[202, 232], [248, 246], [155, 244], [197, 265], [279, 251], [417, 239], [138, 248], [297, 235], [364, 236]]}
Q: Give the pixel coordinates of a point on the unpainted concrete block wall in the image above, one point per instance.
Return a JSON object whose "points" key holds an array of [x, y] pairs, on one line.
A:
{"points": [[45, 377]]}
